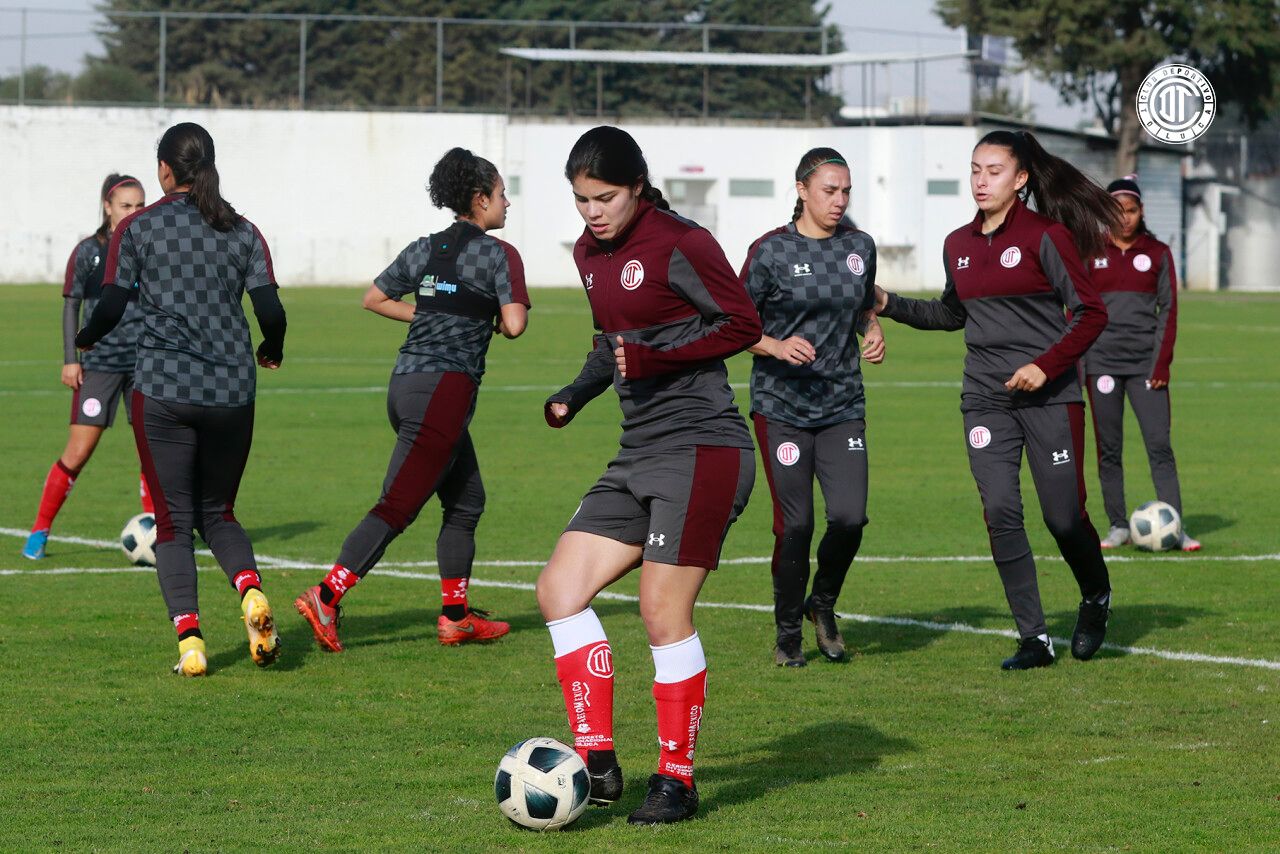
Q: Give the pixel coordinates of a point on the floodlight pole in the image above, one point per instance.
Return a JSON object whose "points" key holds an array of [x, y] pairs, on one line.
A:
{"points": [[302, 63], [439, 65], [160, 60], [22, 61]]}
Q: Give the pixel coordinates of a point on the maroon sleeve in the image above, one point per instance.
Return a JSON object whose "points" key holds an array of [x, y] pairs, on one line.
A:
{"points": [[1167, 322], [510, 282], [1086, 313], [69, 277], [701, 275]]}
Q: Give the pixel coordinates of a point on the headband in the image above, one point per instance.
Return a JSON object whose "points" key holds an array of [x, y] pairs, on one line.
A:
{"points": [[821, 163], [126, 182]]}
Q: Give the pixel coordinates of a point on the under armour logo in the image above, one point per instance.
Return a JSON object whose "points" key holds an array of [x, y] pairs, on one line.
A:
{"points": [[963, 263], [589, 282], [659, 540], [1060, 457], [1099, 263], [801, 270], [667, 745], [584, 728], [857, 444]]}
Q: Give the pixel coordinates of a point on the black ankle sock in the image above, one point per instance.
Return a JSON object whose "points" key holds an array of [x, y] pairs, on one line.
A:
{"points": [[454, 612], [326, 595], [599, 761], [189, 633]]}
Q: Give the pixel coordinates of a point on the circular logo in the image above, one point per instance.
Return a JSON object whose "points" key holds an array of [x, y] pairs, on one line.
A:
{"points": [[788, 453], [91, 407], [855, 263], [600, 661], [1106, 384], [1010, 257], [632, 274], [1176, 103], [1142, 262], [979, 437]]}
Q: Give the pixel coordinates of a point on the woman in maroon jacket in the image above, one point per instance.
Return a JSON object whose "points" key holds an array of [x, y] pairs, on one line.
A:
{"points": [[1016, 286], [669, 310], [1131, 359]]}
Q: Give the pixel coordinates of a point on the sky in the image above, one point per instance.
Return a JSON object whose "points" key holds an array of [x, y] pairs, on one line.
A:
{"points": [[61, 33]]}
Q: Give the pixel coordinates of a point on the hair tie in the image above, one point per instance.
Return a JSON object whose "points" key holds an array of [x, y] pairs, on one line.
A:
{"points": [[821, 163], [126, 182]]}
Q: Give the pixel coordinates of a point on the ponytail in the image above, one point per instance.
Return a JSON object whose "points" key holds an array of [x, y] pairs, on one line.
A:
{"points": [[813, 158], [609, 154], [113, 182], [458, 177], [1062, 192], [188, 149]]}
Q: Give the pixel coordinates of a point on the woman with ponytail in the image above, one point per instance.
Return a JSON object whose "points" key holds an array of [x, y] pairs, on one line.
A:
{"points": [[98, 380], [1131, 359], [1016, 285], [193, 257], [668, 311], [466, 286], [813, 282]]}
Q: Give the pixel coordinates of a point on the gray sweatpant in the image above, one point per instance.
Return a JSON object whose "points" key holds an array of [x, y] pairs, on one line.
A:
{"points": [[1053, 437], [1151, 407]]}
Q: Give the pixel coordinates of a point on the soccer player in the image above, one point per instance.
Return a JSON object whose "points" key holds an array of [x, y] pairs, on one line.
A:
{"points": [[193, 258], [669, 310], [1131, 358], [101, 378], [813, 282], [1010, 275], [466, 285]]}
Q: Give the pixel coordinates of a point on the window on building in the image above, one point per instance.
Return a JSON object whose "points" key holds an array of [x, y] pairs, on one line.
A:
{"points": [[943, 188], [760, 188], [513, 185]]}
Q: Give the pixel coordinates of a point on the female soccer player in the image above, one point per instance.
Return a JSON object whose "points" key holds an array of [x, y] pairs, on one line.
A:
{"points": [[813, 282], [1010, 274], [669, 311], [100, 379], [1132, 356], [193, 258], [467, 285]]}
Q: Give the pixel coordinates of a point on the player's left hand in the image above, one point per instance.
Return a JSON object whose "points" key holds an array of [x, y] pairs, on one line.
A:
{"points": [[1154, 383], [266, 361], [1027, 378], [620, 357], [873, 342]]}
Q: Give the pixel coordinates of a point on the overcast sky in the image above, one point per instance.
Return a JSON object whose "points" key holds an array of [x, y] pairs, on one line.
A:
{"points": [[60, 40]]}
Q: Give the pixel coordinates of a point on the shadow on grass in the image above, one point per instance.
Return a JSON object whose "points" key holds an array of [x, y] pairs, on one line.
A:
{"points": [[1129, 624], [886, 638], [815, 753], [1206, 523], [286, 531]]}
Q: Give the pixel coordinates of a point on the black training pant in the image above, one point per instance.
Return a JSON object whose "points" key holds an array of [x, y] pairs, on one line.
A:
{"points": [[792, 455], [433, 456], [1151, 406], [193, 458], [1053, 436]]}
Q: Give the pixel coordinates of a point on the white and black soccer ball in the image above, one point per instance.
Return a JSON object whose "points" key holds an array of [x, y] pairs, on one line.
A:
{"points": [[542, 784], [138, 540], [1155, 527]]}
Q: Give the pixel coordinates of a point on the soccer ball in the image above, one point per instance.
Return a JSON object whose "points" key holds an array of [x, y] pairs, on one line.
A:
{"points": [[138, 540], [1155, 527], [542, 784]]}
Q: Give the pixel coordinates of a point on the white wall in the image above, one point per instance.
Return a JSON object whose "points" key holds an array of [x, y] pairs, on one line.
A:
{"points": [[338, 194]]}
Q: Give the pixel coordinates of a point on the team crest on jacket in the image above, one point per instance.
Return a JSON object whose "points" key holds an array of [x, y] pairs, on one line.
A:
{"points": [[632, 274], [1010, 257], [855, 263], [1142, 262]]}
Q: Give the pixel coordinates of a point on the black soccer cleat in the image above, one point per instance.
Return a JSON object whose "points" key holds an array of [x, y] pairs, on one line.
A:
{"points": [[830, 641], [668, 801], [1091, 627], [606, 786], [787, 653], [1032, 652]]}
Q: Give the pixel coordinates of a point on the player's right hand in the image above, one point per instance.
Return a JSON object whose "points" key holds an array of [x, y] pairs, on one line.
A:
{"points": [[72, 375], [795, 351], [557, 414]]}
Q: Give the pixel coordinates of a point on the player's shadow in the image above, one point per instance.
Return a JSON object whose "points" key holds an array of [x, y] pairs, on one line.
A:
{"points": [[1206, 523], [1130, 623], [899, 633], [285, 531], [812, 754]]}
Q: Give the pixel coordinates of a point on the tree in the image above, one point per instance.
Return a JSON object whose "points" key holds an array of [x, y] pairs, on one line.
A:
{"points": [[366, 63], [40, 83], [1099, 51]]}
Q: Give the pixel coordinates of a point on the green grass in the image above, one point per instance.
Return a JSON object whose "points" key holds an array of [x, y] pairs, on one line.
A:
{"points": [[920, 741]]}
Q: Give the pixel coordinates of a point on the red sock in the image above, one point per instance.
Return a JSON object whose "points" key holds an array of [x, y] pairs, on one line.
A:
{"points": [[453, 598], [148, 506], [586, 678], [188, 625], [246, 580], [679, 718], [57, 486], [338, 582]]}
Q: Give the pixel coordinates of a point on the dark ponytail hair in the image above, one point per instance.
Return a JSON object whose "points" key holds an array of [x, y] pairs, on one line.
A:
{"points": [[1061, 191], [609, 154], [813, 158], [113, 182], [188, 149], [1128, 186], [457, 178]]}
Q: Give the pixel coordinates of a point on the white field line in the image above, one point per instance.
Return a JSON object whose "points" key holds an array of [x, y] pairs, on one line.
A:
{"points": [[390, 572]]}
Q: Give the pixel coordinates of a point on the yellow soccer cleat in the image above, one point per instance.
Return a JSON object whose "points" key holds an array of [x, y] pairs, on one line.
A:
{"points": [[264, 643], [191, 661]]}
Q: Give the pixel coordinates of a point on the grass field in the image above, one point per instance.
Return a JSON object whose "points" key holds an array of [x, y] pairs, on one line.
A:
{"points": [[919, 741]]}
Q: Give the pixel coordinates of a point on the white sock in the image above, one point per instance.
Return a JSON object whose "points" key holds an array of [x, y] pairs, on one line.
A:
{"points": [[576, 632], [676, 662]]}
